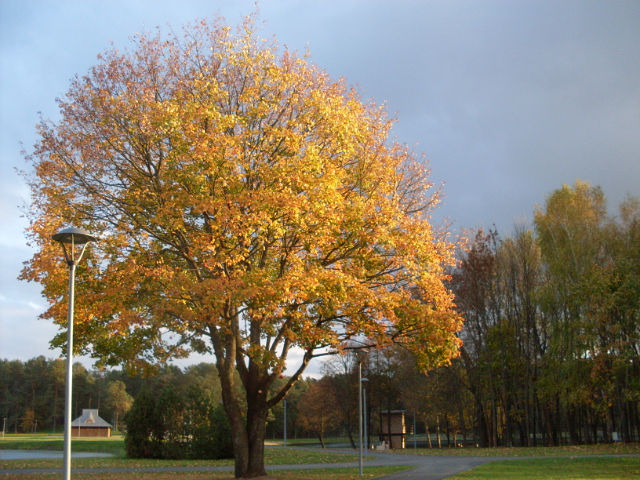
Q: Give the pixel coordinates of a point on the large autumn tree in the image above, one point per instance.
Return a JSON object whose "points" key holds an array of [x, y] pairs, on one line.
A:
{"points": [[246, 204]]}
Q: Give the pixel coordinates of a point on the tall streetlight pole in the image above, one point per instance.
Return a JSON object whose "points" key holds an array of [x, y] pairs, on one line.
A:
{"points": [[364, 413], [414, 430], [74, 242], [285, 422], [360, 416]]}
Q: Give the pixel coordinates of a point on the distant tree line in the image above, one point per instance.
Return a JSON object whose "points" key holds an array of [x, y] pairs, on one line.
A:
{"points": [[552, 335], [32, 392]]}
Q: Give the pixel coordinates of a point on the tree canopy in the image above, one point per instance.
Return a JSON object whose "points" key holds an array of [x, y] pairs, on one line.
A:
{"points": [[246, 204]]}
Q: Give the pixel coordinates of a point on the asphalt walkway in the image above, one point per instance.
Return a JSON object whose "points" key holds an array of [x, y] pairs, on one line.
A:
{"points": [[422, 467], [425, 467], [431, 467]]}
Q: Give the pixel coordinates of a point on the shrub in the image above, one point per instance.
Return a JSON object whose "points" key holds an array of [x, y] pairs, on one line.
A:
{"points": [[171, 425], [141, 424]]}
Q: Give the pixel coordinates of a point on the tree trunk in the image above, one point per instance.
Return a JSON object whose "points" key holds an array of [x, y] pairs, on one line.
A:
{"points": [[55, 404], [351, 439], [240, 448], [482, 426], [448, 430], [462, 426], [237, 424], [494, 421], [248, 438], [256, 429], [248, 430], [389, 421]]}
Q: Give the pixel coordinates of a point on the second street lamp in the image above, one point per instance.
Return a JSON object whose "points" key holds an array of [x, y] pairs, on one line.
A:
{"points": [[364, 381], [74, 242]]}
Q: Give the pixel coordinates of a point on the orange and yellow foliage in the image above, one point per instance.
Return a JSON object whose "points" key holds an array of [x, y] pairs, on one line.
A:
{"points": [[246, 204]]}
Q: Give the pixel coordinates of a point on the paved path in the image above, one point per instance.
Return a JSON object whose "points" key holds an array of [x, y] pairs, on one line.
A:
{"points": [[432, 467], [45, 454], [425, 467]]}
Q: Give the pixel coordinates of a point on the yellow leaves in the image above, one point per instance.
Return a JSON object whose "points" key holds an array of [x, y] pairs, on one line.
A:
{"points": [[228, 176]]}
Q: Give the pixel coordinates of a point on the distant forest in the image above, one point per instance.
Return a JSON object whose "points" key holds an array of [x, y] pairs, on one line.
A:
{"points": [[32, 392], [550, 355], [552, 327]]}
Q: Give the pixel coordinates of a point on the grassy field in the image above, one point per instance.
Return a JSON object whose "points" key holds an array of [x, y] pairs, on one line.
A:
{"points": [[576, 468], [321, 474], [573, 465], [284, 456], [562, 451], [300, 442], [43, 441], [274, 457], [115, 446]]}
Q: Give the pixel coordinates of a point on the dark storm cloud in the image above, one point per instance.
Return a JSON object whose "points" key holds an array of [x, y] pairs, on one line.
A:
{"points": [[508, 100]]}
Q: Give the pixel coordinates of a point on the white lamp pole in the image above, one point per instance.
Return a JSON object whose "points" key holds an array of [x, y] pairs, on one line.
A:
{"points": [[70, 238], [364, 414], [360, 416], [285, 422]]}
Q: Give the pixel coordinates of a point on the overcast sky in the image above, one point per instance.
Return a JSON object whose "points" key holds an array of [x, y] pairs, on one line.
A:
{"points": [[508, 99]]}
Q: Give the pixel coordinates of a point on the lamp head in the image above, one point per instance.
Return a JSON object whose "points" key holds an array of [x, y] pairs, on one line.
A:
{"points": [[74, 237]]}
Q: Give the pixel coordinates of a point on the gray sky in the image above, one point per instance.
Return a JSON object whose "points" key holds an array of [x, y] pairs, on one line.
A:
{"points": [[508, 99]]}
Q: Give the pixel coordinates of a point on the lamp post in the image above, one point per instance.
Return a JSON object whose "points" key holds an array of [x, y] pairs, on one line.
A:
{"points": [[74, 242], [360, 417], [364, 381], [285, 422]]}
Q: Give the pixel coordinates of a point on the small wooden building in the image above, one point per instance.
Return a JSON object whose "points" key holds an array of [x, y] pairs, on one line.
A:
{"points": [[89, 424], [392, 428]]}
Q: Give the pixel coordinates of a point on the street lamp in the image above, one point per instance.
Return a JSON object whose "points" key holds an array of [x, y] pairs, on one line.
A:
{"points": [[285, 422], [360, 416], [362, 413], [364, 381], [74, 242]]}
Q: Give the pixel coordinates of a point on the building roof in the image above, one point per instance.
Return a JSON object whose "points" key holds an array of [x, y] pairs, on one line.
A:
{"points": [[90, 419]]}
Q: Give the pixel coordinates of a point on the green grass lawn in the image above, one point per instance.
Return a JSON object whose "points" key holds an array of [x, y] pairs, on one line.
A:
{"points": [[321, 474], [573, 468], [115, 446], [42, 441], [563, 451], [300, 442], [573, 465], [273, 457]]}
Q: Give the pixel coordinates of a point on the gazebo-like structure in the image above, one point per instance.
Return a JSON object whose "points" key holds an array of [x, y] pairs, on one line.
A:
{"points": [[89, 424], [393, 428]]}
